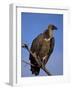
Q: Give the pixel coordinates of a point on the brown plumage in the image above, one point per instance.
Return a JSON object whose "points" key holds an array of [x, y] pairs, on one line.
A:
{"points": [[42, 46]]}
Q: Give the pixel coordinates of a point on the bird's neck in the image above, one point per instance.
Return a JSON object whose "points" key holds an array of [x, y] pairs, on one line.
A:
{"points": [[48, 34]]}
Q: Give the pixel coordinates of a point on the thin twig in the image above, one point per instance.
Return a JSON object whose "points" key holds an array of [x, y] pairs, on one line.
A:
{"points": [[28, 63]]}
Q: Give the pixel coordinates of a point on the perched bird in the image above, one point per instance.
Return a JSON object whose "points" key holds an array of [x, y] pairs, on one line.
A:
{"points": [[42, 46]]}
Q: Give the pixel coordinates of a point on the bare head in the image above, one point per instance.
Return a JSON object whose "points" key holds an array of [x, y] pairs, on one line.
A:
{"points": [[51, 29]]}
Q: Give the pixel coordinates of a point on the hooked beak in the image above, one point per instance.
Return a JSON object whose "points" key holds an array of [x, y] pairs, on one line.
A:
{"points": [[54, 27]]}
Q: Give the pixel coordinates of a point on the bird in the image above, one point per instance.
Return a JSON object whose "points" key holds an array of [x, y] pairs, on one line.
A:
{"points": [[42, 46]]}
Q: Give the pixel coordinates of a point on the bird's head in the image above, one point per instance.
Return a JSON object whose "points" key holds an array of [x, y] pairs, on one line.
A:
{"points": [[52, 27], [49, 32]]}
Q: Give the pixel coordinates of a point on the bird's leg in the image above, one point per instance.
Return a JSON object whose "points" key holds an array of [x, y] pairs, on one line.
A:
{"points": [[41, 62], [44, 59]]}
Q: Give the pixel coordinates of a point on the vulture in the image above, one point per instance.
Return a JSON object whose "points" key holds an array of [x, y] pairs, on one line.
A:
{"points": [[42, 46]]}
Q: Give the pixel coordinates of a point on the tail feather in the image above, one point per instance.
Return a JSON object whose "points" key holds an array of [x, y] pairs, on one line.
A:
{"points": [[34, 69]]}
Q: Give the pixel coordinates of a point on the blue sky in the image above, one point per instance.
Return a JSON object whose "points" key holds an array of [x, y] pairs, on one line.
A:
{"points": [[32, 24]]}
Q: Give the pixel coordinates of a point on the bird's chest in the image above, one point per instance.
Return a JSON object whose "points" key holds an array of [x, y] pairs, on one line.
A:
{"points": [[45, 47]]}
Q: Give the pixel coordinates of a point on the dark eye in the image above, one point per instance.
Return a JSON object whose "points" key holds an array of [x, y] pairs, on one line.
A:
{"points": [[53, 28]]}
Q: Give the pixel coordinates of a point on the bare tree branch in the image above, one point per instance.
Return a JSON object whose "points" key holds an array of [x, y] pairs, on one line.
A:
{"points": [[40, 64], [28, 63]]}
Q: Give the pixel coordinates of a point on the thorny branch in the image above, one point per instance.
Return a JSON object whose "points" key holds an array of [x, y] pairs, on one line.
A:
{"points": [[40, 64]]}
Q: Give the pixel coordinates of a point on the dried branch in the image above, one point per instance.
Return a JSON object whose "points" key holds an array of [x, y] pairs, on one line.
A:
{"points": [[40, 64], [28, 63]]}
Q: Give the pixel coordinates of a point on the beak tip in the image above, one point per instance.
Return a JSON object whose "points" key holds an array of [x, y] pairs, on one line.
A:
{"points": [[55, 28]]}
